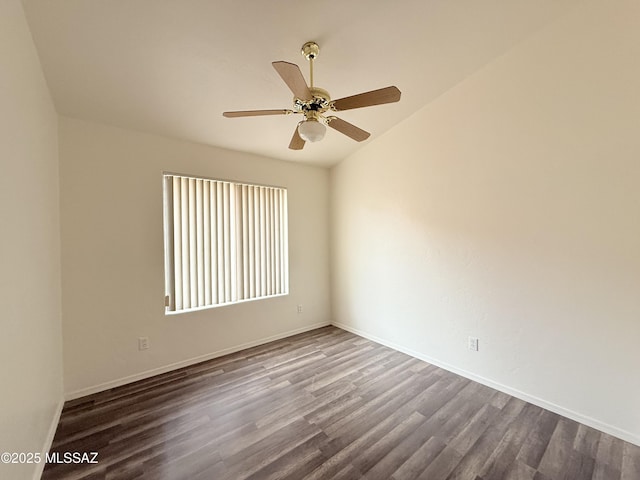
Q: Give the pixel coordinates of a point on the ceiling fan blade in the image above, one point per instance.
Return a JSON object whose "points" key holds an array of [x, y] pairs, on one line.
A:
{"points": [[292, 76], [367, 99], [348, 129], [297, 143], [256, 113]]}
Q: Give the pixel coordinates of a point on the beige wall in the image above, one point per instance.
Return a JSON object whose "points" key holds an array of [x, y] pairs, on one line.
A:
{"points": [[509, 210], [30, 337], [112, 255]]}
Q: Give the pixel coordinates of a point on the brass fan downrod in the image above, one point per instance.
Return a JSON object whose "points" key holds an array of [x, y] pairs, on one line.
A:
{"points": [[310, 51]]}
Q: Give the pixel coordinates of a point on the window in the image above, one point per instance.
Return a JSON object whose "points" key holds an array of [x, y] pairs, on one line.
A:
{"points": [[225, 242]]}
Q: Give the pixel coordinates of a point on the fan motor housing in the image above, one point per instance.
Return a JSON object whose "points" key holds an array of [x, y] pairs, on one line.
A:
{"points": [[320, 103]]}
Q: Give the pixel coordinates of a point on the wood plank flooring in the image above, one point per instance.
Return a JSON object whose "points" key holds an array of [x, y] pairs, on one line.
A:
{"points": [[327, 404]]}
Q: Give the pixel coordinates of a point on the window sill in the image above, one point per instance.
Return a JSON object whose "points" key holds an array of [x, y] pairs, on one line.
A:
{"points": [[219, 305]]}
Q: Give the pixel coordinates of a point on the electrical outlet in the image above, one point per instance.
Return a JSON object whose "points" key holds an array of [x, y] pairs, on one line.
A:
{"points": [[143, 343], [473, 344], [299, 308]]}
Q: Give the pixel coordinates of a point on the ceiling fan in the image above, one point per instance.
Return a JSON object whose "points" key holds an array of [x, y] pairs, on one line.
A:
{"points": [[314, 103]]}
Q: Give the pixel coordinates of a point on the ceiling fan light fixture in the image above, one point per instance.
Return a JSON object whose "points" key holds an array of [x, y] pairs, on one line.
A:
{"points": [[314, 103], [311, 130]]}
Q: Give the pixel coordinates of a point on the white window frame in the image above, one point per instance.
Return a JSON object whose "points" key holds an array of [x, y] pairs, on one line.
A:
{"points": [[225, 242]]}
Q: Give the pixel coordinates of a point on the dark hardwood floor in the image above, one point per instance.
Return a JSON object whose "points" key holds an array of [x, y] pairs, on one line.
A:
{"points": [[327, 404]]}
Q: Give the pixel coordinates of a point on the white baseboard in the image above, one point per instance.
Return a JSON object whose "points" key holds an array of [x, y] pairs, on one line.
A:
{"points": [[185, 363], [565, 412], [48, 441]]}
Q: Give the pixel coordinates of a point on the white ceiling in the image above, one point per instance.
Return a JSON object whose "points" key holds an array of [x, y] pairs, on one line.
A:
{"points": [[172, 67]]}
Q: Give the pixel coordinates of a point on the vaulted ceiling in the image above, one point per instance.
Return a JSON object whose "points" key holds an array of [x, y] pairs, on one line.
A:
{"points": [[171, 67]]}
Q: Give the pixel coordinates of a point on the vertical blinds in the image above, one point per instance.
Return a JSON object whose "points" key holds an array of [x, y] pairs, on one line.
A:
{"points": [[224, 242]]}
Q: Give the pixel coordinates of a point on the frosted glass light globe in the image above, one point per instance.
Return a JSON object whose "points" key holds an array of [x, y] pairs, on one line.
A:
{"points": [[311, 130]]}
